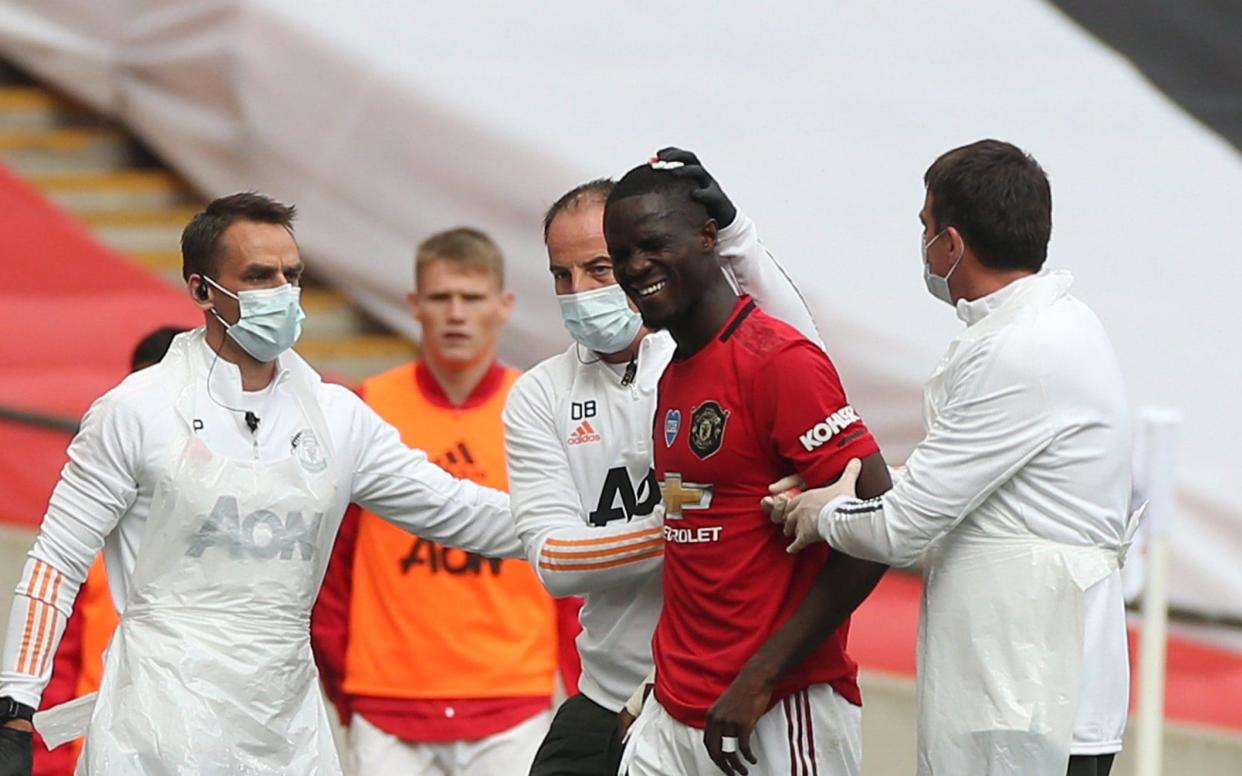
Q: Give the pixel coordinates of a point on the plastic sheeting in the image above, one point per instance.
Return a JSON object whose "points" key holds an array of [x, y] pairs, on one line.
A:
{"points": [[386, 121]]}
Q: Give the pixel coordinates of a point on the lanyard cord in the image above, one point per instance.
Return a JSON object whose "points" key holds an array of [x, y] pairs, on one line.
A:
{"points": [[252, 420], [631, 369]]}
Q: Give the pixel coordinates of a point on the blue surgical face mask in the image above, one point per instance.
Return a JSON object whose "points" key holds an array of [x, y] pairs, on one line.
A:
{"points": [[936, 285], [270, 320], [600, 319]]}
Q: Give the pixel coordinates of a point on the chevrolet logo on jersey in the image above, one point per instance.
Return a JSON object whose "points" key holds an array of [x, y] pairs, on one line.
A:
{"points": [[679, 496]]}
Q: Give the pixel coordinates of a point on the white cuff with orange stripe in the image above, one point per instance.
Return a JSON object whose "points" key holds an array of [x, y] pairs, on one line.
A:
{"points": [[41, 605], [602, 553]]}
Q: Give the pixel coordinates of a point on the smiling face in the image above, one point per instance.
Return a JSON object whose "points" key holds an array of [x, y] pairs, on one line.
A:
{"points": [[663, 253]]}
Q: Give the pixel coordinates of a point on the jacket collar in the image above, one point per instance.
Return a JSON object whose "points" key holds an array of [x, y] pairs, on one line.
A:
{"points": [[1048, 284], [190, 359]]}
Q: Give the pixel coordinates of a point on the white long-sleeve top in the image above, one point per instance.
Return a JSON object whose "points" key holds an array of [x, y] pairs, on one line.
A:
{"points": [[103, 498], [578, 444], [1032, 421]]}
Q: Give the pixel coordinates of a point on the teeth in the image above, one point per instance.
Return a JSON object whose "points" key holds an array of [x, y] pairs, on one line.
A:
{"points": [[651, 289]]}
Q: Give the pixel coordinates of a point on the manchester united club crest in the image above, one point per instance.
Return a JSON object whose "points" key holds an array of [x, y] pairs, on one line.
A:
{"points": [[305, 445], [707, 427]]}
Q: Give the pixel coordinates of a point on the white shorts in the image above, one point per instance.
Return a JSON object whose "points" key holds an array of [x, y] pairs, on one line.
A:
{"points": [[373, 751], [814, 732]]}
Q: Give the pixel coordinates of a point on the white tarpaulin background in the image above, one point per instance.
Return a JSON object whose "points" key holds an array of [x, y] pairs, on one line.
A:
{"points": [[385, 120]]}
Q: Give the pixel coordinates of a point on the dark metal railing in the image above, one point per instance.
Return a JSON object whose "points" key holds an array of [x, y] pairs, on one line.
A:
{"points": [[39, 419]]}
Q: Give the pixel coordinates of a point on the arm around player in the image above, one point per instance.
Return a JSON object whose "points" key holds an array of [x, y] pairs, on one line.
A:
{"points": [[571, 556], [402, 486], [994, 422]]}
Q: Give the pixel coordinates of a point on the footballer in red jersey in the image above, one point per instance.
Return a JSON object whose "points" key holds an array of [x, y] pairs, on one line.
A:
{"points": [[750, 649]]}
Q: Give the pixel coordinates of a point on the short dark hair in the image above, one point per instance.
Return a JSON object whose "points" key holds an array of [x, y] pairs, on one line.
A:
{"points": [[998, 197], [152, 348], [592, 192], [201, 239], [645, 179]]}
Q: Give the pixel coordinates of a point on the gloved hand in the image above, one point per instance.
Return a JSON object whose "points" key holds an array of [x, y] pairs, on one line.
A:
{"points": [[16, 752], [800, 514], [718, 205]]}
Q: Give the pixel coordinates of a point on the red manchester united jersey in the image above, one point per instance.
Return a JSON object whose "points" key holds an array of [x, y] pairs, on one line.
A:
{"points": [[758, 403]]}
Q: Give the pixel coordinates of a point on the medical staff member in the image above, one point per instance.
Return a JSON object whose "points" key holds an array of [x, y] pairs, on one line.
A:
{"points": [[1016, 501], [578, 441], [215, 482]]}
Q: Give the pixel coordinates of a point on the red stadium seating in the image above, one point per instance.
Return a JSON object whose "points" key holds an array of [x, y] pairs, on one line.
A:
{"points": [[71, 311]]}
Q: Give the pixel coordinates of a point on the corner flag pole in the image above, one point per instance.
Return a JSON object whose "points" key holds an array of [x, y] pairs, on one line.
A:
{"points": [[1158, 429]]}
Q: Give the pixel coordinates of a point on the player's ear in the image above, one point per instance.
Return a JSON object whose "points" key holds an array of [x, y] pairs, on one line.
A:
{"points": [[707, 235], [200, 292], [957, 242], [506, 305]]}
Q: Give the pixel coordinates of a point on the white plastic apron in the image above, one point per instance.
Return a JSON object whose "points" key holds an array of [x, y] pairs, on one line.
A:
{"points": [[1001, 629], [1000, 651], [210, 670]]}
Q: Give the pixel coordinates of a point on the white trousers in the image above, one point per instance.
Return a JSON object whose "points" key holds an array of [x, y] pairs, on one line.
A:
{"points": [[813, 732], [374, 752]]}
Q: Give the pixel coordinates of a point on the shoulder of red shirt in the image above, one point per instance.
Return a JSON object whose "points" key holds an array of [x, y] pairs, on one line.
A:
{"points": [[749, 329], [811, 392], [762, 339]]}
